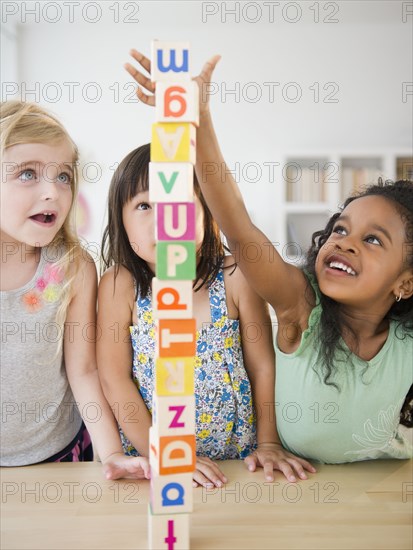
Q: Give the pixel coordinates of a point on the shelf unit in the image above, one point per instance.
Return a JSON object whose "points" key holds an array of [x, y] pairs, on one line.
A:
{"points": [[311, 185]]}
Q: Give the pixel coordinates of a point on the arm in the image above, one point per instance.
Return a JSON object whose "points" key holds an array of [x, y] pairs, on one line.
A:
{"points": [[80, 361], [276, 281], [259, 360], [114, 356]]}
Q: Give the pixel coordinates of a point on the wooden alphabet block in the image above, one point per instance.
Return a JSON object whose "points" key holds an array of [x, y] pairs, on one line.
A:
{"points": [[171, 182], [175, 221], [169, 61], [171, 299], [173, 454], [168, 532], [172, 494], [177, 102], [176, 260], [172, 415], [176, 337], [174, 376], [173, 142]]}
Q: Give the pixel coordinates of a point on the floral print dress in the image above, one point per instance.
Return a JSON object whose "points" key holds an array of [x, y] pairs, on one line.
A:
{"points": [[225, 420]]}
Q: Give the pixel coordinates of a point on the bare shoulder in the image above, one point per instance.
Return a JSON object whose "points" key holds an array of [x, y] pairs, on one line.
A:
{"points": [[236, 287], [116, 281], [86, 273]]}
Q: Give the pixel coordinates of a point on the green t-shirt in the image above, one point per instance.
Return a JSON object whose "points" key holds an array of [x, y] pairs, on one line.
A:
{"points": [[359, 422]]}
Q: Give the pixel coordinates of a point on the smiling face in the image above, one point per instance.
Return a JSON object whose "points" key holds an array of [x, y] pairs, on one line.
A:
{"points": [[36, 192], [138, 217], [362, 262]]}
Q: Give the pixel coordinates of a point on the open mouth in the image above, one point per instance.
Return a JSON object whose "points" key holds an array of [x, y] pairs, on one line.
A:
{"points": [[340, 266], [45, 218]]}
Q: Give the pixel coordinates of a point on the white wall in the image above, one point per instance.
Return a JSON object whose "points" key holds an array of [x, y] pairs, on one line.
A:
{"points": [[366, 54]]}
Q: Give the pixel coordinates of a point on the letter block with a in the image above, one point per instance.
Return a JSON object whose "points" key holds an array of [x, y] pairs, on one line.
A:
{"points": [[177, 102], [171, 494], [171, 182], [173, 142], [173, 415], [171, 299], [174, 376], [171, 454], [170, 61]]}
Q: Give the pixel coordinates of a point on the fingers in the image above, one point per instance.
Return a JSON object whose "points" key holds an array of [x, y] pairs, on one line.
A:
{"points": [[209, 68], [251, 462], [141, 79], [208, 474], [141, 59]]}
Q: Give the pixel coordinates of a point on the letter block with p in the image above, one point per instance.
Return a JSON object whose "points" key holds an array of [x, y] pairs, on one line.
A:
{"points": [[171, 299]]}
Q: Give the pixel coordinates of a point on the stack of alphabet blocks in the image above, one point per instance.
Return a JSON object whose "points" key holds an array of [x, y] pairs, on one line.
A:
{"points": [[171, 172]]}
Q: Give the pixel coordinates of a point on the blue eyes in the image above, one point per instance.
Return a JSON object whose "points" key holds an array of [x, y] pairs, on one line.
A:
{"points": [[29, 175]]}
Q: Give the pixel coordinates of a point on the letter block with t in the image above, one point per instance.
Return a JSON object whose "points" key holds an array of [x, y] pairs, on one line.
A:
{"points": [[177, 102], [171, 454], [168, 532], [173, 142], [170, 61], [171, 494], [176, 337], [171, 182]]}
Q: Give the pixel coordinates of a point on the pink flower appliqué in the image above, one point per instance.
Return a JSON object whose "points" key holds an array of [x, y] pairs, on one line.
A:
{"points": [[53, 274], [32, 301], [41, 284]]}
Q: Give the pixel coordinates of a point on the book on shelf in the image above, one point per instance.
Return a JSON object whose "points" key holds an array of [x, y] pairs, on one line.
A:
{"points": [[404, 168], [305, 185], [354, 180]]}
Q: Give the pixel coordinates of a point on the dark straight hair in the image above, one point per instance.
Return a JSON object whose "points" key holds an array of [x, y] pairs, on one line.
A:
{"points": [[132, 177]]}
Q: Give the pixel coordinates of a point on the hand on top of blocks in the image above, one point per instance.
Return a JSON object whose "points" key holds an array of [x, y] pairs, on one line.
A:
{"points": [[146, 87]]}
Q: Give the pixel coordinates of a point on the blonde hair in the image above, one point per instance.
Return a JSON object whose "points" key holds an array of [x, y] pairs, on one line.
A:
{"points": [[28, 123]]}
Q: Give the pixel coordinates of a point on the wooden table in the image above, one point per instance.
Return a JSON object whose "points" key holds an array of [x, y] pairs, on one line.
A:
{"points": [[71, 506]]}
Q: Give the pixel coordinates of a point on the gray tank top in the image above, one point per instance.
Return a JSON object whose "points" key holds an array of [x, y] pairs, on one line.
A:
{"points": [[39, 416]]}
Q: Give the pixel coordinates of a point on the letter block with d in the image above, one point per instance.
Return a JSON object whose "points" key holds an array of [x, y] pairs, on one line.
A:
{"points": [[173, 454]]}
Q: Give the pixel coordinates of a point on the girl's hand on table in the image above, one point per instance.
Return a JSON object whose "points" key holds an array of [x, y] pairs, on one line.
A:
{"points": [[272, 456], [207, 474], [118, 465]]}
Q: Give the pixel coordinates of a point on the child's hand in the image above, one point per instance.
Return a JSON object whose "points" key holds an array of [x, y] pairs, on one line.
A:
{"points": [[118, 466], [272, 456], [203, 80], [207, 474]]}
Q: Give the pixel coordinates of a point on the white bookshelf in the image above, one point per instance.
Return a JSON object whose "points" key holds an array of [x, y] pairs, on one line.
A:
{"points": [[311, 185]]}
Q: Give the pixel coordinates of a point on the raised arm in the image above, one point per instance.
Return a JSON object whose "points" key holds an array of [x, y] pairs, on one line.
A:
{"points": [[277, 282]]}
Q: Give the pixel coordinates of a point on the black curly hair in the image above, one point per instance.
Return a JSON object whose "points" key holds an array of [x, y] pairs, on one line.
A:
{"points": [[332, 322]]}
